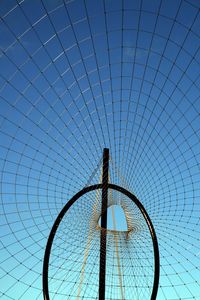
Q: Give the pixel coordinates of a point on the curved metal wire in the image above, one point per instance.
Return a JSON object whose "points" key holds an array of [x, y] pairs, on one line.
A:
{"points": [[64, 211]]}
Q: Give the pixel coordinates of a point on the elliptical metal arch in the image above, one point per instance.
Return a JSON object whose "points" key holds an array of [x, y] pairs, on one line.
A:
{"points": [[64, 211]]}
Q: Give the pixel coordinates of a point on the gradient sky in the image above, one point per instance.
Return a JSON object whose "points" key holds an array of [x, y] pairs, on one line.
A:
{"points": [[78, 76]]}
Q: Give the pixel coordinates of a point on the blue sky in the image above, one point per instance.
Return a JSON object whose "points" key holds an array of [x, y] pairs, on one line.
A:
{"points": [[78, 76]]}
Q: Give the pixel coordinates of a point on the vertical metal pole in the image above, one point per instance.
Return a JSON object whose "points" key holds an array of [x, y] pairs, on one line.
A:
{"points": [[102, 269]]}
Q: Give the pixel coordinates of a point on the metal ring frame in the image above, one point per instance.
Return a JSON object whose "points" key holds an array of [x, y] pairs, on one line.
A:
{"points": [[65, 209]]}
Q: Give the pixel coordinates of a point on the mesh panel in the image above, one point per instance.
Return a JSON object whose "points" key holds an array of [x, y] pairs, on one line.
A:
{"points": [[78, 76]]}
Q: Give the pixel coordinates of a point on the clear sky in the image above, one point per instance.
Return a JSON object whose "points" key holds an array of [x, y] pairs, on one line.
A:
{"points": [[78, 76]]}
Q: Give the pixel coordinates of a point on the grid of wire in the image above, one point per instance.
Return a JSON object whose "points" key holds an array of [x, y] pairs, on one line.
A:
{"points": [[77, 77]]}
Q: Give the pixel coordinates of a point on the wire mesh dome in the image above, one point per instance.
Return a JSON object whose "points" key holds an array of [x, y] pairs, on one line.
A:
{"points": [[76, 77]]}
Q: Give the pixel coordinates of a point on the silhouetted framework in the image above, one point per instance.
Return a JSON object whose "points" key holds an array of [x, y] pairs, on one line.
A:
{"points": [[104, 186], [102, 270], [75, 78]]}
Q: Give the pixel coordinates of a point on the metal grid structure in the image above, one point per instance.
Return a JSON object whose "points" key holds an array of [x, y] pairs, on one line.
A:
{"points": [[78, 76]]}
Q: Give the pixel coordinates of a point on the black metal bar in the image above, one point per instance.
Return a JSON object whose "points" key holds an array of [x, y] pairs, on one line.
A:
{"points": [[102, 267]]}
